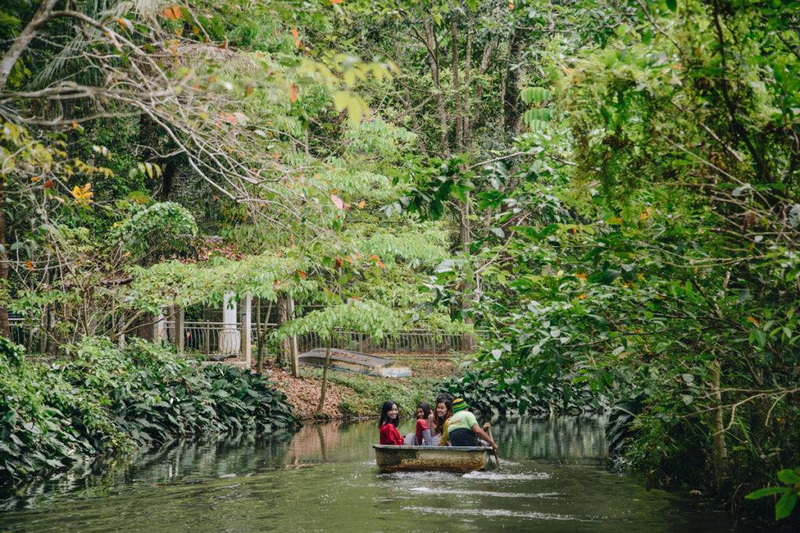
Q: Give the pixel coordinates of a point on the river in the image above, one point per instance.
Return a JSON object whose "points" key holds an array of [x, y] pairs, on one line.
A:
{"points": [[323, 478]]}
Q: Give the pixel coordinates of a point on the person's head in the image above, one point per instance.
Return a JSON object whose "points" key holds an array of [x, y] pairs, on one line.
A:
{"points": [[443, 408], [390, 414], [443, 411], [445, 397], [459, 405], [423, 410]]}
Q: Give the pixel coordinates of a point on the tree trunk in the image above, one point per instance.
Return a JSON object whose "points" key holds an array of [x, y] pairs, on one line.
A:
{"points": [[152, 137], [24, 39], [486, 61], [441, 101], [324, 386], [511, 107], [261, 334], [465, 239], [5, 327], [466, 119], [285, 351], [294, 363], [459, 110], [720, 450]]}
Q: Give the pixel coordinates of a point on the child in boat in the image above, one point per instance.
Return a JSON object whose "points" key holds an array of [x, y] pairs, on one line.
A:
{"points": [[390, 418], [462, 428], [422, 431]]}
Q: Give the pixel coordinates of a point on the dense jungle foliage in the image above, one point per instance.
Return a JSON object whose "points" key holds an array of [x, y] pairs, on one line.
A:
{"points": [[606, 190]]}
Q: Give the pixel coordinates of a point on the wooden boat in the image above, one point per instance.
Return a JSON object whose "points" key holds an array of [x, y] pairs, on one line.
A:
{"points": [[441, 458]]}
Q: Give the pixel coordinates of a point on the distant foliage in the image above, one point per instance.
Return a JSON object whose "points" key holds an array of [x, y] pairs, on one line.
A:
{"points": [[160, 229]]}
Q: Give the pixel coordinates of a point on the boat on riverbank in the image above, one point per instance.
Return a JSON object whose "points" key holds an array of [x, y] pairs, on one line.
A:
{"points": [[441, 458]]}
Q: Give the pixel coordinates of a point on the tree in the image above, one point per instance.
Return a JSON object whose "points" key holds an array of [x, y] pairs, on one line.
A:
{"points": [[354, 315]]}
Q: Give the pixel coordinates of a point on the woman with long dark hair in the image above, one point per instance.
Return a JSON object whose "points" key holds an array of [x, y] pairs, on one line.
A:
{"points": [[441, 413], [390, 418]]}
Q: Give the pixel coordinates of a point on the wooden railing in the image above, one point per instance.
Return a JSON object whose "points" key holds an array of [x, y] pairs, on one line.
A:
{"points": [[26, 335], [414, 341], [217, 338]]}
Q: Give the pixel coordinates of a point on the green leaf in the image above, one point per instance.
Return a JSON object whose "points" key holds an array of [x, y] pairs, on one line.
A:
{"points": [[540, 114], [785, 505], [767, 491], [531, 95], [672, 5], [789, 477]]}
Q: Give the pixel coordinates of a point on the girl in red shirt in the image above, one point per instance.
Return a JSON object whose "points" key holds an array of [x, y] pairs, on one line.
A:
{"points": [[390, 417], [422, 432]]}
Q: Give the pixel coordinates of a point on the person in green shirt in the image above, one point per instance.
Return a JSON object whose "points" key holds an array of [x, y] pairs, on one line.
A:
{"points": [[462, 428]]}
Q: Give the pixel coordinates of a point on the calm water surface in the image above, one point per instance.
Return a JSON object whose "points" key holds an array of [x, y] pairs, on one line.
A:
{"points": [[324, 479]]}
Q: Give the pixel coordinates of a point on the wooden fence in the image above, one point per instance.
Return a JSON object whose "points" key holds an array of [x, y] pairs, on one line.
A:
{"points": [[218, 339], [211, 338], [414, 341]]}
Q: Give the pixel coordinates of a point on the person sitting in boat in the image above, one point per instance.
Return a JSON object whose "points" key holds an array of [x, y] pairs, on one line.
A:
{"points": [[462, 428], [390, 418], [422, 431], [439, 417]]}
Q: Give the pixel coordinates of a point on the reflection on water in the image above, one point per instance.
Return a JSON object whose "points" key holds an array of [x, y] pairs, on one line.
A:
{"points": [[563, 439], [324, 478], [177, 461]]}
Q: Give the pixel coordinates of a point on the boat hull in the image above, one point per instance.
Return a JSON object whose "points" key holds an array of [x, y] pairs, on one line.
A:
{"points": [[440, 458]]}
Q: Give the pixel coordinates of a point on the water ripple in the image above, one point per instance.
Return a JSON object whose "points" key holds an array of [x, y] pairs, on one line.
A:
{"points": [[494, 513], [498, 476], [488, 493]]}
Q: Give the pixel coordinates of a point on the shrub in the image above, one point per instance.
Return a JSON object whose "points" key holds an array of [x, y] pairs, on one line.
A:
{"points": [[101, 399]]}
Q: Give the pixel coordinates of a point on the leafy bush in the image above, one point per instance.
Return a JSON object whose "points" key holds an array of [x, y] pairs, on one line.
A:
{"points": [[510, 396], [790, 492], [102, 399]]}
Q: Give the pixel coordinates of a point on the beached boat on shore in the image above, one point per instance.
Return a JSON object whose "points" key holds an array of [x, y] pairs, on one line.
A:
{"points": [[442, 458]]}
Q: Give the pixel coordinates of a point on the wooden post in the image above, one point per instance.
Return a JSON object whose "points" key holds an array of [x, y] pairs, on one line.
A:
{"points": [[180, 338], [247, 324]]}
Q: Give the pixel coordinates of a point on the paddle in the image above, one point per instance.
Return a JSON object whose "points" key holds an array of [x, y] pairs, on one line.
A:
{"points": [[494, 452]]}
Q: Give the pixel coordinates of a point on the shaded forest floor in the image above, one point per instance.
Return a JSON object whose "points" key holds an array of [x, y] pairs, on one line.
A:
{"points": [[351, 395]]}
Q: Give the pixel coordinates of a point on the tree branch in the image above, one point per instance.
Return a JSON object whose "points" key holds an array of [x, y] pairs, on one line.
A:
{"points": [[11, 57]]}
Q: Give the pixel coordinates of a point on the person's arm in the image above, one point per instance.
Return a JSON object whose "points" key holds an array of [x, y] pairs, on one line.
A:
{"points": [[397, 437], [482, 434]]}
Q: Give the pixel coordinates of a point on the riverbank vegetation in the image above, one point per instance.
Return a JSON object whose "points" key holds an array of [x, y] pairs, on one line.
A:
{"points": [[99, 399], [607, 191]]}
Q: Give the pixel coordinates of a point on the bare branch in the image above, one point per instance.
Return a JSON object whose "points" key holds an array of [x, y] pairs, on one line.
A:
{"points": [[11, 57]]}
